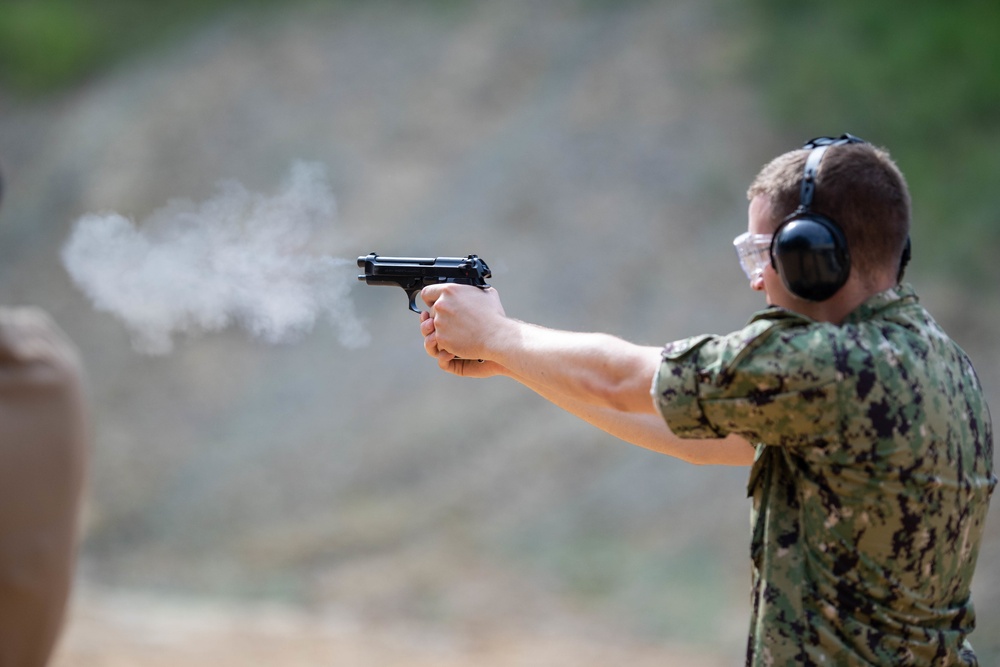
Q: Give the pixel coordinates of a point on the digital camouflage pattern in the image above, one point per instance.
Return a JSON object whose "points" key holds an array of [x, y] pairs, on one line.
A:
{"points": [[871, 481]]}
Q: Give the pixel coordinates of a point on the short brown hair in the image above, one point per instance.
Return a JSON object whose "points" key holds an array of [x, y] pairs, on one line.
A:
{"points": [[860, 187]]}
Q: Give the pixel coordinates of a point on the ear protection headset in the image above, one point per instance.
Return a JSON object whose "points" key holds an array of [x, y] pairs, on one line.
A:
{"points": [[809, 250]]}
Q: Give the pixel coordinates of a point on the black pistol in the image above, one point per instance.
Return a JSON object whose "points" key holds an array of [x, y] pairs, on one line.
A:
{"points": [[415, 273]]}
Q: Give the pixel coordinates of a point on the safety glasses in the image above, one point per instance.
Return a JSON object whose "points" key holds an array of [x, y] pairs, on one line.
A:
{"points": [[754, 251]]}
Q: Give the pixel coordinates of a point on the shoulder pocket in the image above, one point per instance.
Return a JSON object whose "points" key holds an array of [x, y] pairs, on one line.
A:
{"points": [[676, 351]]}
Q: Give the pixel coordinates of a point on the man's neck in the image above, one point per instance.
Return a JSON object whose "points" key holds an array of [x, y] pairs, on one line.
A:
{"points": [[854, 293]]}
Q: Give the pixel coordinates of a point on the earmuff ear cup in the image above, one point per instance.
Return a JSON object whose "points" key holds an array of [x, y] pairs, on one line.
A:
{"points": [[809, 252], [904, 260]]}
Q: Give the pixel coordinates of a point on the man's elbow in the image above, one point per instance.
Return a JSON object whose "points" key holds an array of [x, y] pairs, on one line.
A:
{"points": [[733, 450]]}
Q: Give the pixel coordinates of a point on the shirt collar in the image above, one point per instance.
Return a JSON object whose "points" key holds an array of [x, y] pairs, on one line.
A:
{"points": [[893, 297]]}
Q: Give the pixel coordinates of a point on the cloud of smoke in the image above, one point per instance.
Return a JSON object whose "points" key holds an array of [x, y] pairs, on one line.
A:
{"points": [[238, 258]]}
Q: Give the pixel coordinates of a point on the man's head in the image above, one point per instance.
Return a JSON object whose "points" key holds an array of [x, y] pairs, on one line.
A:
{"points": [[858, 186]]}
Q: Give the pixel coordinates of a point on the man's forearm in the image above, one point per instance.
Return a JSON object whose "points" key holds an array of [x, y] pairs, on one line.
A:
{"points": [[648, 430], [588, 368]]}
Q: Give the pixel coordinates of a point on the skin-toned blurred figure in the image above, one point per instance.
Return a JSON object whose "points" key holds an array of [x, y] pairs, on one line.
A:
{"points": [[43, 453]]}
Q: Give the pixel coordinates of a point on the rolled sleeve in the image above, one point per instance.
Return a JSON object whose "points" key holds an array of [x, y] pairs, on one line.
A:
{"points": [[675, 389]]}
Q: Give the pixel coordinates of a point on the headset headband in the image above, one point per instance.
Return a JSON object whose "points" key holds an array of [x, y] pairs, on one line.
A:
{"points": [[818, 146]]}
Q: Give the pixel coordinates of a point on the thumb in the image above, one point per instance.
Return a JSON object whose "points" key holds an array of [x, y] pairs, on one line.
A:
{"points": [[430, 294]]}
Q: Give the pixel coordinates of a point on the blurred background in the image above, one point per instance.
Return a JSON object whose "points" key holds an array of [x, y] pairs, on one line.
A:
{"points": [[307, 504]]}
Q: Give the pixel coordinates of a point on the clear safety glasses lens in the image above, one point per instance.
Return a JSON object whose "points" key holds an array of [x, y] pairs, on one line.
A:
{"points": [[754, 251]]}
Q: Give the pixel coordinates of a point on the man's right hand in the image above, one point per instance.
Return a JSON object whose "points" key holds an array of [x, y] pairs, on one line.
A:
{"points": [[468, 322], [449, 362]]}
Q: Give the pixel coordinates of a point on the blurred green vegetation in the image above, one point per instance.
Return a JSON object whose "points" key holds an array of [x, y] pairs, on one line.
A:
{"points": [[921, 78], [50, 44]]}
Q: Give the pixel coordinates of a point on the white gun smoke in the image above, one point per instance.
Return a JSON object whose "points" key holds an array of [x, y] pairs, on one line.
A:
{"points": [[238, 258]]}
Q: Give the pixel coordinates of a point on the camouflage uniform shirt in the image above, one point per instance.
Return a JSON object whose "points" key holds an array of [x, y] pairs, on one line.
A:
{"points": [[872, 477]]}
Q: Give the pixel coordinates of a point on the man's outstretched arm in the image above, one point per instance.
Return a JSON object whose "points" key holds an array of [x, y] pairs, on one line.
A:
{"points": [[581, 373]]}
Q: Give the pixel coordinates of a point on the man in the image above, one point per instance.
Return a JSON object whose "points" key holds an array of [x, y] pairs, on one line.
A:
{"points": [[42, 457], [872, 460]]}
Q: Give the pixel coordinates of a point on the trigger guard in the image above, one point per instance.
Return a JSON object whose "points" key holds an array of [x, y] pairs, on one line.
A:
{"points": [[412, 294]]}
